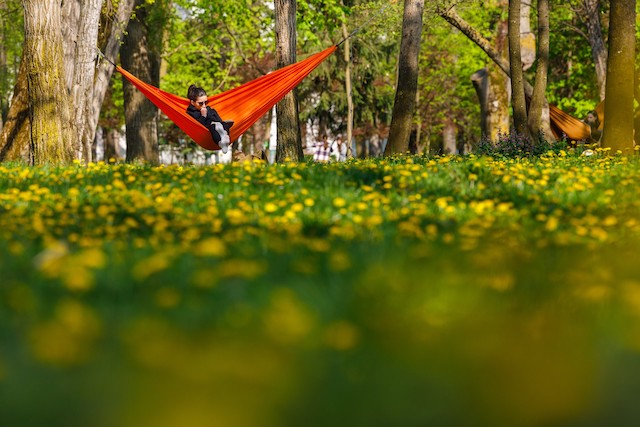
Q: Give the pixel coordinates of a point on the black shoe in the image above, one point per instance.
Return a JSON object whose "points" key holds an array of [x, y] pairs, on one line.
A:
{"points": [[226, 124]]}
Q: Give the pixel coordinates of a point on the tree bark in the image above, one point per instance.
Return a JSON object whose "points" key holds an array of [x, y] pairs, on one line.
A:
{"points": [[70, 15], [405, 100], [105, 68], [527, 38], [14, 140], [518, 103], [618, 124], [84, 70], [289, 145], [540, 85], [591, 10], [111, 137], [141, 115], [52, 138], [449, 137], [348, 89]]}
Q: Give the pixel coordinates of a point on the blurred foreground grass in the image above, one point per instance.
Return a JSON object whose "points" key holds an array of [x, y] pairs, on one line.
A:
{"points": [[404, 292]]}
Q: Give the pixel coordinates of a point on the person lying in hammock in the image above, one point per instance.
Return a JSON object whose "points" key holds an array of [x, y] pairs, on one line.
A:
{"points": [[209, 117]]}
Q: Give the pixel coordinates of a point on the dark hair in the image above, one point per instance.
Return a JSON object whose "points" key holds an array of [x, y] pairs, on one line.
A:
{"points": [[195, 92], [595, 124]]}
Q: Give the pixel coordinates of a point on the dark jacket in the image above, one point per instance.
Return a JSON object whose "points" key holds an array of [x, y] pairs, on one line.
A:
{"points": [[212, 115]]}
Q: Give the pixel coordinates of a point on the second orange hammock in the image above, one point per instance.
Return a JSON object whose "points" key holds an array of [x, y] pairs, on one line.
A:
{"points": [[563, 124], [244, 104]]}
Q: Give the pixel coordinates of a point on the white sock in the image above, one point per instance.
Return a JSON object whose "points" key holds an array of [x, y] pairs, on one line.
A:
{"points": [[224, 141]]}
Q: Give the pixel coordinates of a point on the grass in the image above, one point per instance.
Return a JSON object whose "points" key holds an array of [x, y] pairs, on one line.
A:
{"points": [[406, 291]]}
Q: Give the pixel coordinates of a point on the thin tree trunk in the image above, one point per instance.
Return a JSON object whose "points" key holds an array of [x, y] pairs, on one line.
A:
{"points": [[111, 137], [348, 89], [449, 134], [105, 68], [3, 62], [141, 115], [405, 100], [52, 138], [527, 38], [289, 144], [596, 40], [480, 81], [518, 103], [82, 89], [540, 84], [618, 123], [14, 140]]}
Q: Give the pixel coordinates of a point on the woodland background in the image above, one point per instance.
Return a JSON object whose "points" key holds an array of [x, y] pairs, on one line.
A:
{"points": [[220, 44]]}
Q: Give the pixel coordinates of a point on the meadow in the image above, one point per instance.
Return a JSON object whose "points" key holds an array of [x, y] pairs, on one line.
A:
{"points": [[409, 291]]}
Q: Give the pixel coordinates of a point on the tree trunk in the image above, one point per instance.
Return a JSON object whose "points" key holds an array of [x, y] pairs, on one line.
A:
{"points": [[527, 38], [52, 138], [480, 81], [591, 9], [111, 137], [348, 89], [141, 116], [618, 123], [14, 140], [70, 15], [289, 145], [405, 100], [4, 83], [449, 138], [105, 68], [492, 87], [518, 103], [82, 89], [542, 66]]}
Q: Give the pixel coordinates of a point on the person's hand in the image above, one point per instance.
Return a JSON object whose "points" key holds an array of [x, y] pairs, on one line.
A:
{"points": [[203, 111]]}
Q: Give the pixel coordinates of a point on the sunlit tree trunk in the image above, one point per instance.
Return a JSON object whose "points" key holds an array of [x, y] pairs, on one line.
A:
{"points": [[407, 86], [14, 139], [105, 68], [289, 145], [518, 103], [3, 60], [540, 85], [618, 123], [52, 138], [70, 15], [348, 89], [82, 86], [499, 96], [141, 116]]}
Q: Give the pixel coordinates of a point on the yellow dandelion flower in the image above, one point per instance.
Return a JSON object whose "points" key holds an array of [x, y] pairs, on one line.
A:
{"points": [[270, 207]]}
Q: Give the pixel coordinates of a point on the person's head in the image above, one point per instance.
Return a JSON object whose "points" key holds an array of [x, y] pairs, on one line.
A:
{"points": [[339, 139], [592, 119], [197, 96]]}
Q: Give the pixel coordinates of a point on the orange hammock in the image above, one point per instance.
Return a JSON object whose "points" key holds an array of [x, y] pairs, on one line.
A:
{"points": [[244, 104], [565, 124]]}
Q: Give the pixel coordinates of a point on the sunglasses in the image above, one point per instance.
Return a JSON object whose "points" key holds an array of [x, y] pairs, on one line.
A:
{"points": [[202, 103]]}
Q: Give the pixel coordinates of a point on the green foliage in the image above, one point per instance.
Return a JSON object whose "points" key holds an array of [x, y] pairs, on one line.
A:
{"points": [[216, 44], [572, 84], [447, 61]]}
